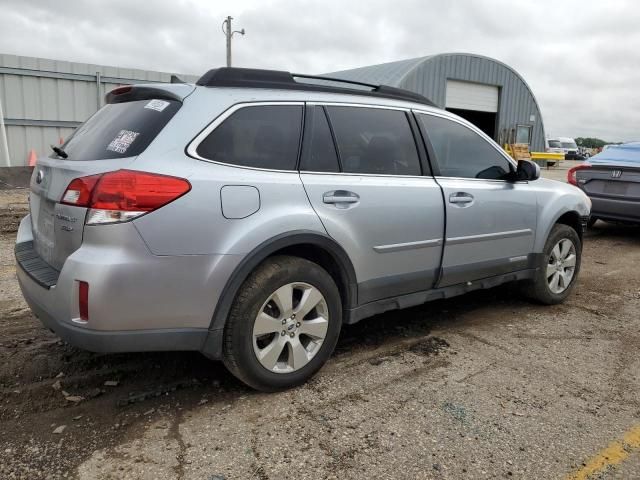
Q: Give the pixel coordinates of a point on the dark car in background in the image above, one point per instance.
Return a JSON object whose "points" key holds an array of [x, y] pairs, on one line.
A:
{"points": [[612, 180]]}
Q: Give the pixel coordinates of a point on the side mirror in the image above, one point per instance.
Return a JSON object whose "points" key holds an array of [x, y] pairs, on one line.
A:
{"points": [[527, 170]]}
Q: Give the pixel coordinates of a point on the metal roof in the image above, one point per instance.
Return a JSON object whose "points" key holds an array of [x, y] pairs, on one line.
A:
{"points": [[391, 73], [429, 75]]}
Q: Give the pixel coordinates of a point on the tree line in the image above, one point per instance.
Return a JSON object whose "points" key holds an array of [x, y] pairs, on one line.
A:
{"points": [[590, 142]]}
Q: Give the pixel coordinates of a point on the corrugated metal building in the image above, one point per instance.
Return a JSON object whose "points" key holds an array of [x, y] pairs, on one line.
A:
{"points": [[488, 93], [44, 100]]}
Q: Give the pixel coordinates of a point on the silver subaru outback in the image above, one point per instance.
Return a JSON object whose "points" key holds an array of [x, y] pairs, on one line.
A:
{"points": [[251, 215]]}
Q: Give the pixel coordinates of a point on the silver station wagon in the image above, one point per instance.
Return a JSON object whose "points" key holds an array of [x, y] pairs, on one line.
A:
{"points": [[251, 215]]}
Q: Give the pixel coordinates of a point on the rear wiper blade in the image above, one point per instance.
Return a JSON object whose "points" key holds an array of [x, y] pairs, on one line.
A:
{"points": [[59, 151]]}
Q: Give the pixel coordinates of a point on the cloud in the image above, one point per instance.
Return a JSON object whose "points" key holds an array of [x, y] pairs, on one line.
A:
{"points": [[580, 58]]}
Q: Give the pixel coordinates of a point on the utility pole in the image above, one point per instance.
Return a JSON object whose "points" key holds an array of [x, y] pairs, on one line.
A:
{"points": [[228, 32]]}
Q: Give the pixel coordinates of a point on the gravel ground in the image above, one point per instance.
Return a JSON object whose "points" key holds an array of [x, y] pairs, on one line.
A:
{"points": [[482, 386]]}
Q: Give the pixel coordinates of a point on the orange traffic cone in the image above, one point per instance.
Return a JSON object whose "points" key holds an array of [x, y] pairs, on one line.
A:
{"points": [[32, 158]]}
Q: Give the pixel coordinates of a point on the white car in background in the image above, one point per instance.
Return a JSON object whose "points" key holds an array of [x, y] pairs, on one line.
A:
{"points": [[566, 145], [553, 145]]}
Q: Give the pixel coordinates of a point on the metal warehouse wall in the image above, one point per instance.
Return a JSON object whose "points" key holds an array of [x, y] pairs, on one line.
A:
{"points": [[44, 100], [428, 76]]}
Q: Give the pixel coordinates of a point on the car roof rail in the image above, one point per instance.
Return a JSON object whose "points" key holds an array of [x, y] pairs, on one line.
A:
{"points": [[278, 79]]}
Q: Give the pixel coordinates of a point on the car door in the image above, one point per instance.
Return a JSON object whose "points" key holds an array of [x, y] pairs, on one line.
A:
{"points": [[361, 169], [491, 219]]}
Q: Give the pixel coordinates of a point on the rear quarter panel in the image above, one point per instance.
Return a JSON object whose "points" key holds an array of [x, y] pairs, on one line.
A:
{"points": [[194, 224]]}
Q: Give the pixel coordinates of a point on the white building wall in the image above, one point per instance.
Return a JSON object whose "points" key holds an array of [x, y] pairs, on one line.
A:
{"points": [[44, 100]]}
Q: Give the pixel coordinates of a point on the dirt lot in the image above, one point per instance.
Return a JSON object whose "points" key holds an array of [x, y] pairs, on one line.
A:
{"points": [[482, 386]]}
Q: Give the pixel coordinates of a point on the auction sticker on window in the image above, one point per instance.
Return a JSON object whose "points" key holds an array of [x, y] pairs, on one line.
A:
{"points": [[123, 141], [157, 105]]}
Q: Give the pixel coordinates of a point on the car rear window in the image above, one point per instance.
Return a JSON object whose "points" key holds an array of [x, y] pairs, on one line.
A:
{"points": [[265, 136], [319, 153], [120, 130]]}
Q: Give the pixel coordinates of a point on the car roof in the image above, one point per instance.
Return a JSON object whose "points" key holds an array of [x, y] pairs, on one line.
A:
{"points": [[246, 85], [623, 154], [245, 95], [277, 79]]}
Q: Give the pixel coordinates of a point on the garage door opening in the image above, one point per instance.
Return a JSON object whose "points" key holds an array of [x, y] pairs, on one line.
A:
{"points": [[485, 121], [475, 102]]}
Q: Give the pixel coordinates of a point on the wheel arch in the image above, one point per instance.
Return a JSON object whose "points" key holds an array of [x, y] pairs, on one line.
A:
{"points": [[566, 216], [573, 220], [312, 246]]}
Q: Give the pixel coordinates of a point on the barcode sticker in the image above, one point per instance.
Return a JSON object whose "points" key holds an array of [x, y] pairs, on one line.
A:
{"points": [[123, 141], [157, 105]]}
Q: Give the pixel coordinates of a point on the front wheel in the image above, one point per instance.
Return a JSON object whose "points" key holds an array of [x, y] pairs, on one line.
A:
{"points": [[283, 325], [558, 266]]}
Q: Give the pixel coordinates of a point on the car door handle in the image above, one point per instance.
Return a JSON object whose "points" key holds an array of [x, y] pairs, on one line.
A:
{"points": [[340, 196], [460, 197]]}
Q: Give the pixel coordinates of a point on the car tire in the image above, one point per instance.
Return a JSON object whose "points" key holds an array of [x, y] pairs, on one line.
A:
{"points": [[592, 221], [249, 353], [541, 288]]}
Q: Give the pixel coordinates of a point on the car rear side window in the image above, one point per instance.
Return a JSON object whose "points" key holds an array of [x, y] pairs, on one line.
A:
{"points": [[319, 153], [265, 136], [461, 152], [120, 130], [374, 141]]}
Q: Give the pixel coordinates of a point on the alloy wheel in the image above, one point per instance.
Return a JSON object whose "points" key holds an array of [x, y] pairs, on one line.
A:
{"points": [[561, 266], [290, 327]]}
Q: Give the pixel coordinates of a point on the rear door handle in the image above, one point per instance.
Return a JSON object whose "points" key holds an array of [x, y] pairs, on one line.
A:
{"points": [[340, 196], [460, 198]]}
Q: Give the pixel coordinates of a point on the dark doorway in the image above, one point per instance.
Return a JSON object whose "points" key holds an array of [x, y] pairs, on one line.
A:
{"points": [[485, 121]]}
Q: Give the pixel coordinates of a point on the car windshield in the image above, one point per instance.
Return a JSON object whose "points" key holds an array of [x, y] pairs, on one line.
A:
{"points": [[569, 145], [554, 144]]}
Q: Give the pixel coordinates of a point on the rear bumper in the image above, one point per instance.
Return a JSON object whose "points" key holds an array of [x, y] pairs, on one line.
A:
{"points": [[110, 341], [615, 209], [137, 301]]}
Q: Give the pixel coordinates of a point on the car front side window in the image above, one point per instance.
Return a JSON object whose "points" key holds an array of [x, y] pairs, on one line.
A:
{"points": [[461, 152]]}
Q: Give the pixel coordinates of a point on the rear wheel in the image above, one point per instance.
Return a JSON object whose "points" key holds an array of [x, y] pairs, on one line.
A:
{"points": [[558, 266], [283, 325]]}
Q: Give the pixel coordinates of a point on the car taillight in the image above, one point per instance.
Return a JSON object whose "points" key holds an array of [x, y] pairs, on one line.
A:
{"points": [[123, 195], [571, 174], [78, 192]]}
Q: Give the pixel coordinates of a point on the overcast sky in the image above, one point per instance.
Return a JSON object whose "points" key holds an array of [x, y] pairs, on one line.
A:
{"points": [[581, 58]]}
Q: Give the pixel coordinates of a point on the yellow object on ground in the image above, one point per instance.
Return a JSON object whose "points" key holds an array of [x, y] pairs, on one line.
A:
{"points": [[547, 156], [554, 157], [614, 454], [544, 159]]}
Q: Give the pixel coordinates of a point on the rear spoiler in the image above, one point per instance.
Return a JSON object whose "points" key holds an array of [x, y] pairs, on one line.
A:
{"points": [[131, 93]]}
